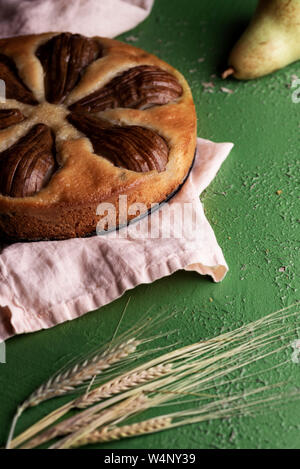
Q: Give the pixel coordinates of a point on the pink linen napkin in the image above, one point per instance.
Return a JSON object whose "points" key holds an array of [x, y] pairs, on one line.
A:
{"points": [[106, 18], [46, 283]]}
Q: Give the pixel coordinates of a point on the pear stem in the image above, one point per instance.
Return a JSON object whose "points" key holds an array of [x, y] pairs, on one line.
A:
{"points": [[228, 72]]}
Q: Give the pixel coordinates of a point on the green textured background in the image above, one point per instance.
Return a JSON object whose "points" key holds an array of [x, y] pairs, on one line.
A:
{"points": [[256, 228]]}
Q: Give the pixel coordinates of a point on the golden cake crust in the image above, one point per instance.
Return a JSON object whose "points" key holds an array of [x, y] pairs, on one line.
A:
{"points": [[66, 206]]}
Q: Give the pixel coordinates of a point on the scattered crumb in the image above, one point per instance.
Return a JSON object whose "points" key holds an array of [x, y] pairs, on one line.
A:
{"points": [[200, 60], [211, 299], [221, 193], [132, 38], [282, 269], [193, 70], [293, 78], [208, 84], [279, 192], [229, 237], [226, 90]]}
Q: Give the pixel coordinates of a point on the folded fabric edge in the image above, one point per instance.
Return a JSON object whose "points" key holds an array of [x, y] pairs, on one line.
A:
{"points": [[217, 272], [15, 321]]}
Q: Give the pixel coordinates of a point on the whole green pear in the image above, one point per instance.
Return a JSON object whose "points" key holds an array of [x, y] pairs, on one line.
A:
{"points": [[271, 41]]}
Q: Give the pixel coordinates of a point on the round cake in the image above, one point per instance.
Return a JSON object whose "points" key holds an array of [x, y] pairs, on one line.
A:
{"points": [[86, 120]]}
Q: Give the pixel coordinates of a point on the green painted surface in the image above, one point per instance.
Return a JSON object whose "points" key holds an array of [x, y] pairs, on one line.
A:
{"points": [[256, 228]]}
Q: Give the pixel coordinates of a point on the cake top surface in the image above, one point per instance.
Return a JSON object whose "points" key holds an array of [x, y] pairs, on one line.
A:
{"points": [[70, 98]]}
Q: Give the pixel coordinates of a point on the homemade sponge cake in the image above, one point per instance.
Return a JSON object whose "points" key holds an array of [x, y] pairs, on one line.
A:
{"points": [[86, 120]]}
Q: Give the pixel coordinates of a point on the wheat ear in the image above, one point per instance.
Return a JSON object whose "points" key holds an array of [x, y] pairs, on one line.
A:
{"points": [[117, 433], [67, 382], [122, 384]]}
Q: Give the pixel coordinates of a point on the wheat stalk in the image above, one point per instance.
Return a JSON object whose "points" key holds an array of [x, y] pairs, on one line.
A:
{"points": [[116, 386], [66, 382], [60, 429], [190, 370], [126, 408], [129, 382], [140, 328]]}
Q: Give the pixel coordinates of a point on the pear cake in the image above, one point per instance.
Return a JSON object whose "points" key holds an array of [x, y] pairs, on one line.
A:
{"points": [[86, 120]]}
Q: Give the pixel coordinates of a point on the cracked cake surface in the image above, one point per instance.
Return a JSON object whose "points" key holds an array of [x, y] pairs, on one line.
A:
{"points": [[85, 121]]}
